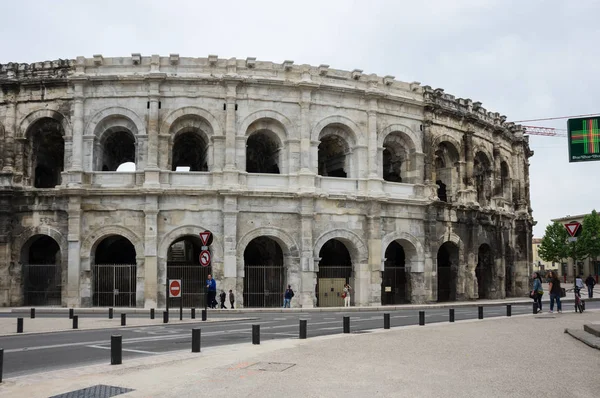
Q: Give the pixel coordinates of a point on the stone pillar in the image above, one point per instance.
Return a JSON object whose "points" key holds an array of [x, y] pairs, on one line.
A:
{"points": [[74, 257], [151, 170], [307, 299], [372, 138], [375, 260], [10, 130], [305, 155], [230, 268], [429, 177], [147, 286], [230, 173]]}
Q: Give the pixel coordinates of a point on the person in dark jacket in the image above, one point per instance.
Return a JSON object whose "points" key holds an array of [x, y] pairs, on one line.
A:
{"points": [[555, 292], [287, 297], [231, 298], [222, 298], [590, 282]]}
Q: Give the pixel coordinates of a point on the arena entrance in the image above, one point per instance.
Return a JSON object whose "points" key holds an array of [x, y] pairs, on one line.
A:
{"points": [[447, 263], [264, 278], [115, 273], [183, 262], [335, 270], [394, 282], [484, 271], [41, 267]]}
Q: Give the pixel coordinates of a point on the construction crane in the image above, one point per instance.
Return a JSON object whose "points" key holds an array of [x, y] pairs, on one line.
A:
{"points": [[547, 131]]}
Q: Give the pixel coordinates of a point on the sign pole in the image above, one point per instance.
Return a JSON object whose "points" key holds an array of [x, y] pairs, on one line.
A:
{"points": [[181, 308], [167, 297]]}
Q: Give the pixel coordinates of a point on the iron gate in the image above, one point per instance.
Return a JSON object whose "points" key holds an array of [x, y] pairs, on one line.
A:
{"points": [[330, 285], [393, 286], [41, 284], [114, 285], [444, 284], [263, 286], [193, 284]]}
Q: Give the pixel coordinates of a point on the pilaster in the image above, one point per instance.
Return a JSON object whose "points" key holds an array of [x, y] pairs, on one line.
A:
{"points": [[308, 299], [10, 130], [147, 286], [74, 295], [375, 249], [152, 172], [230, 172]]}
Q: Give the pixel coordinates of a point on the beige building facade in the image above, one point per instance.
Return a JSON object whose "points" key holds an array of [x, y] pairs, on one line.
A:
{"points": [[308, 176]]}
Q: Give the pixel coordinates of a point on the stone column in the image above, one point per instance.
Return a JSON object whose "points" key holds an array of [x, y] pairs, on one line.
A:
{"points": [[375, 260], [74, 298], [308, 299], [230, 174], [429, 177], [230, 269], [10, 130], [147, 288], [372, 138], [151, 170], [305, 155]]}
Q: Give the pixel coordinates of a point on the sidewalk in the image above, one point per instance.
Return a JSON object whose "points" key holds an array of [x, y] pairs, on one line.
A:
{"points": [[494, 357]]}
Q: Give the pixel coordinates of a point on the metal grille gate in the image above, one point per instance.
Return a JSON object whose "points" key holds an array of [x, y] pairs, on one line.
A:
{"points": [[330, 285], [444, 280], [393, 285], [114, 285], [193, 284], [263, 286], [41, 284]]}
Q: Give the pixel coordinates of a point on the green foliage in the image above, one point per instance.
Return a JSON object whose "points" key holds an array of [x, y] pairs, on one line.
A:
{"points": [[589, 240], [554, 246]]}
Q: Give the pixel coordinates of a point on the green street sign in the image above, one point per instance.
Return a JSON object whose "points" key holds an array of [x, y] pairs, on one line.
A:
{"points": [[584, 139]]}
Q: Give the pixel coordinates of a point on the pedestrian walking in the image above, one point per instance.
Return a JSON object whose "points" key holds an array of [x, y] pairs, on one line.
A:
{"points": [[346, 295], [287, 297], [211, 286], [579, 284], [222, 298], [590, 282], [554, 292], [231, 298], [538, 291]]}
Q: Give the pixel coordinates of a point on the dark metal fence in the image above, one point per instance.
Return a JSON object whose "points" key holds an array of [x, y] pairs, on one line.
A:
{"points": [[41, 284], [193, 284], [114, 285], [264, 286], [330, 284], [393, 286]]}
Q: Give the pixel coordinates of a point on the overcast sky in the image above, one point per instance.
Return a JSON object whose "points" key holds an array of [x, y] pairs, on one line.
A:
{"points": [[525, 59]]}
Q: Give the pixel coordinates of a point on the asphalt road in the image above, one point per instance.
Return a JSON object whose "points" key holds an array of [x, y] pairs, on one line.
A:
{"points": [[33, 353]]}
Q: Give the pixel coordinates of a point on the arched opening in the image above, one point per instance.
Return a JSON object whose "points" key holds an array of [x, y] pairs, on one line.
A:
{"points": [[505, 180], [46, 151], [115, 273], [183, 262], [41, 267], [482, 175], [335, 270], [484, 271], [333, 151], [394, 283], [447, 266], [116, 148], [396, 157], [264, 273], [262, 153], [446, 169], [190, 150], [508, 270]]}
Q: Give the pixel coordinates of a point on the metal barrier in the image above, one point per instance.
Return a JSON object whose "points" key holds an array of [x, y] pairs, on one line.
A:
{"points": [[114, 285], [263, 286], [41, 284]]}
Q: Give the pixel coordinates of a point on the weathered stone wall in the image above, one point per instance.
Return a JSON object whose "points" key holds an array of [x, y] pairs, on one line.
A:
{"points": [[480, 158]]}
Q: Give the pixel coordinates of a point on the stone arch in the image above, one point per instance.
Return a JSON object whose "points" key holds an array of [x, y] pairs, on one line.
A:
{"points": [[454, 238], [403, 130], [284, 127], [95, 125], [355, 245], [438, 139], [483, 171], [176, 233], [34, 116], [189, 141], [354, 132], [412, 246], [96, 236], [216, 128], [54, 233], [285, 240]]}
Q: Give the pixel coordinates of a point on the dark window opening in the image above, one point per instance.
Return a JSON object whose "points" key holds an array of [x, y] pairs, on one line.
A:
{"points": [[118, 148], [115, 250], [190, 150], [392, 166], [393, 281], [484, 271], [447, 263], [47, 153], [41, 264], [441, 191], [264, 274], [335, 270], [262, 153], [332, 157]]}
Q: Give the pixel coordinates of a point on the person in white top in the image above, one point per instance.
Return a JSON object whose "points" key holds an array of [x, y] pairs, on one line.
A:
{"points": [[347, 291], [579, 282]]}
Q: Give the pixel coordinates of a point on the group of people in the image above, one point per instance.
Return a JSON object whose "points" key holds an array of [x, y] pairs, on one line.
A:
{"points": [[556, 291]]}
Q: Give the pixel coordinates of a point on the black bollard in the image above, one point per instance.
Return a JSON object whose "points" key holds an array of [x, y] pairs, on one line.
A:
{"points": [[19, 325], [508, 310], [75, 321], [204, 315], [302, 329], [346, 324], [71, 312], [110, 313], [151, 313], [535, 307], [451, 315], [116, 352], [32, 313], [193, 313], [165, 317], [123, 319], [421, 318], [386, 321], [181, 313], [1, 362], [480, 312], [255, 334], [196, 339]]}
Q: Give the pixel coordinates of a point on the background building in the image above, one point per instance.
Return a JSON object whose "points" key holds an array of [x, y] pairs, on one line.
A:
{"points": [[308, 176]]}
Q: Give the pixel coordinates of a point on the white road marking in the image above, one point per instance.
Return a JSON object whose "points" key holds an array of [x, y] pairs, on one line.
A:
{"points": [[124, 349]]}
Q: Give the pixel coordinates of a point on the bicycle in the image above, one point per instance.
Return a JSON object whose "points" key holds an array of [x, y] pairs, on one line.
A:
{"points": [[579, 303]]}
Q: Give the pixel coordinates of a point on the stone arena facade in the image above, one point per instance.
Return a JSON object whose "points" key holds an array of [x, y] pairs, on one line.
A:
{"points": [[308, 176]]}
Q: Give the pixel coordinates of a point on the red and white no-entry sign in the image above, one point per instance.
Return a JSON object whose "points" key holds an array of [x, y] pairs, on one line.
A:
{"points": [[205, 258], [174, 287]]}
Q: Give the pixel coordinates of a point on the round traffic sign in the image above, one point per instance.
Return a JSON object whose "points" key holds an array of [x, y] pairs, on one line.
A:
{"points": [[175, 288], [205, 258]]}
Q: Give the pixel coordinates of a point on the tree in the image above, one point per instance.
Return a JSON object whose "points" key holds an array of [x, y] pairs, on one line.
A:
{"points": [[554, 246], [590, 235]]}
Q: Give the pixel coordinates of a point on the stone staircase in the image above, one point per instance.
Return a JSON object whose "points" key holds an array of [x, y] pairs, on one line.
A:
{"points": [[590, 335]]}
